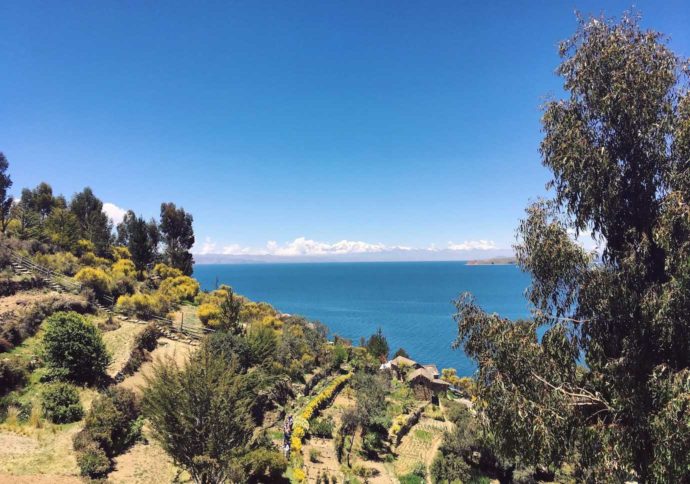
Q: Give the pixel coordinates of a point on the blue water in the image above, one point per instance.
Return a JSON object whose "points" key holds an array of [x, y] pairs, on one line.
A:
{"points": [[410, 301]]}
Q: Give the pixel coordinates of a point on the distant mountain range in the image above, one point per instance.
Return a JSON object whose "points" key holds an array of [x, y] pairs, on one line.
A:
{"points": [[474, 257]]}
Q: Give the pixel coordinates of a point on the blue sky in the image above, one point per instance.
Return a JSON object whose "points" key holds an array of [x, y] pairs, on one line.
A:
{"points": [[391, 124]]}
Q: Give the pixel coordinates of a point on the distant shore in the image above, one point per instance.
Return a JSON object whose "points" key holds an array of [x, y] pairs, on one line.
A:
{"points": [[495, 261]]}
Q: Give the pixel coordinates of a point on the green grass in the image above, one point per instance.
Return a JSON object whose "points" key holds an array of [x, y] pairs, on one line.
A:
{"points": [[411, 479], [423, 435]]}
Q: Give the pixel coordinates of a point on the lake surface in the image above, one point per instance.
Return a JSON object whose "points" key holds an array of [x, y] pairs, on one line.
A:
{"points": [[410, 301]]}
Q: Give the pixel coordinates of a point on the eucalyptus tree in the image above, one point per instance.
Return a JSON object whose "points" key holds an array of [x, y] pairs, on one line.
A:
{"points": [[6, 200], [178, 237], [607, 384], [94, 224]]}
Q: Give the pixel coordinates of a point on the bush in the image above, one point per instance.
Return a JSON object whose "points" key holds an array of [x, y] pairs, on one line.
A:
{"points": [[92, 260], [61, 403], [27, 322], [112, 421], [121, 252], [143, 306], [123, 268], [63, 262], [164, 271], [365, 472], [178, 289], [73, 348], [145, 342], [12, 374], [93, 461], [264, 465], [209, 314], [95, 279], [316, 404], [322, 427]]}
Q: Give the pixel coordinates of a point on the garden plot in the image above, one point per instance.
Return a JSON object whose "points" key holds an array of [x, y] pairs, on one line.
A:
{"points": [[419, 446]]}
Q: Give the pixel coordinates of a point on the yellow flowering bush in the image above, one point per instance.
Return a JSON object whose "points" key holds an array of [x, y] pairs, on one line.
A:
{"points": [[64, 262], [164, 271], [316, 404], [123, 268], [299, 475], [208, 314], [181, 288], [120, 252], [92, 260], [96, 279], [142, 305]]}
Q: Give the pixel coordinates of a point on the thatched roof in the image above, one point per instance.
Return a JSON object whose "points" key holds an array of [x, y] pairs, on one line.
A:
{"points": [[427, 375], [402, 361], [423, 372], [433, 369]]}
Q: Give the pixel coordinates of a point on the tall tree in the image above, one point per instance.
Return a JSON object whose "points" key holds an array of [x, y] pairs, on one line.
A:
{"points": [[135, 233], [178, 236], [40, 200], [62, 228], [5, 199], [619, 150], [201, 415], [377, 345], [93, 222]]}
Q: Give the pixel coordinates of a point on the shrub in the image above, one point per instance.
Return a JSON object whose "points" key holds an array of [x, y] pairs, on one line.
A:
{"points": [[205, 406], [123, 268], [178, 289], [64, 262], [366, 472], [73, 348], [264, 462], [209, 314], [95, 279], [12, 374], [317, 403], [322, 427], [121, 252], [145, 342], [148, 338], [314, 455], [164, 271], [93, 461], [299, 475], [251, 311], [112, 420], [84, 246], [92, 260], [143, 306], [27, 322], [61, 403]]}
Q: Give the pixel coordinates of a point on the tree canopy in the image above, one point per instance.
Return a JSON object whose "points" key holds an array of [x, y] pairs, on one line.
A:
{"points": [[618, 150], [5, 199], [178, 236], [94, 224]]}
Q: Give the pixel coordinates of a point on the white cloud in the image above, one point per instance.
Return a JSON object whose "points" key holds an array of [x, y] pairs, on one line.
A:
{"points": [[302, 246], [473, 245], [114, 213], [209, 247]]}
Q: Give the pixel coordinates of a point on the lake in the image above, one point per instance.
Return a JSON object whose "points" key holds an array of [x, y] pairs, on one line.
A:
{"points": [[410, 301]]}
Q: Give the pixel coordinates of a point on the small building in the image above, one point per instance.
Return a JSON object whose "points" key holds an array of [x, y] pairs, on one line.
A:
{"points": [[425, 383]]}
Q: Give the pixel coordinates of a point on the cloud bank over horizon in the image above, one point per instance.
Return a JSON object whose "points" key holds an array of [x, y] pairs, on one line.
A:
{"points": [[303, 247]]}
